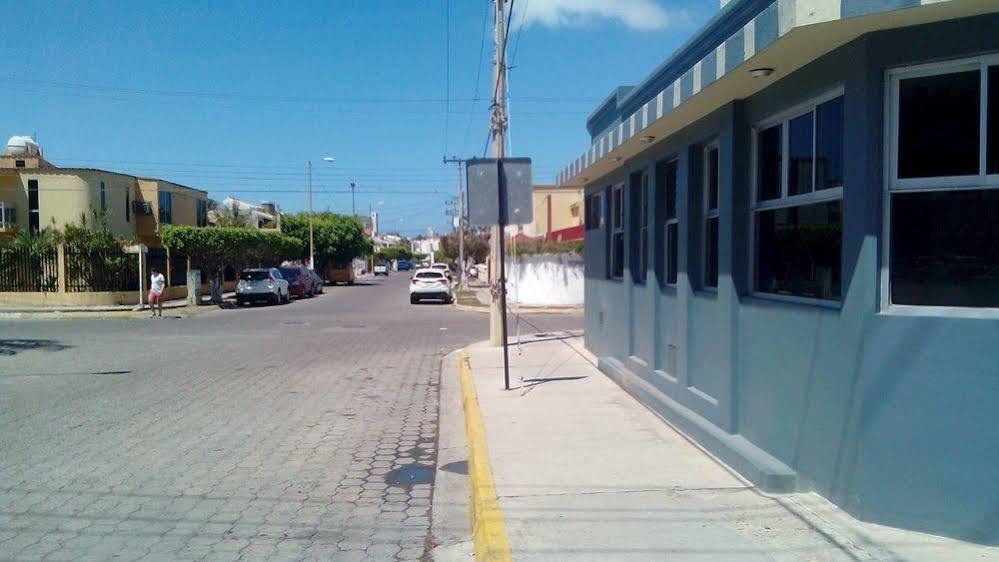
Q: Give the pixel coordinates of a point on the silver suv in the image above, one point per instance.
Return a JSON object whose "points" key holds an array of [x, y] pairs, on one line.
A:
{"points": [[262, 285]]}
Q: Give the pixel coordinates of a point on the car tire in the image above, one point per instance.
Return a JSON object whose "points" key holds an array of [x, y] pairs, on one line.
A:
{"points": [[287, 298], [413, 299], [275, 299]]}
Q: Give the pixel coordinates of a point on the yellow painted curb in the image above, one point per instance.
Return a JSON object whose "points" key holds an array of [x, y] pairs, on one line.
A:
{"points": [[488, 529]]}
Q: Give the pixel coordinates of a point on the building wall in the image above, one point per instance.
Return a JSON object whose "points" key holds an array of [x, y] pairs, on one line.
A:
{"points": [[184, 207], [892, 417], [560, 201], [66, 195]]}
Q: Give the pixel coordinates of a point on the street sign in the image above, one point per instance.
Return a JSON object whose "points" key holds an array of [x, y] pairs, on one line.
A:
{"points": [[484, 176]]}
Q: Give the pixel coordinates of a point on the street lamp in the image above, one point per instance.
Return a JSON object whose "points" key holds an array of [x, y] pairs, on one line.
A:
{"points": [[312, 245]]}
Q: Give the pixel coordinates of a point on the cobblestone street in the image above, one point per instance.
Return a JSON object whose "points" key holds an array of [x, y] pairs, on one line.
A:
{"points": [[305, 431]]}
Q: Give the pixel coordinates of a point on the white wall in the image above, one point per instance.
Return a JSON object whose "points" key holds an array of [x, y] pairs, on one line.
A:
{"points": [[546, 280]]}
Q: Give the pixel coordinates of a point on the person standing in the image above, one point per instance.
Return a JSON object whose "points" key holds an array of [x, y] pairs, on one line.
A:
{"points": [[157, 283]]}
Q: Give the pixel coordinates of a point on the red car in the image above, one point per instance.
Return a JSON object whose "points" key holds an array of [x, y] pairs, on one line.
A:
{"points": [[299, 281]]}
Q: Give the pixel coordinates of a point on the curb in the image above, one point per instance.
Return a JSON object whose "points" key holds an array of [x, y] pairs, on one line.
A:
{"points": [[523, 309], [488, 528]]}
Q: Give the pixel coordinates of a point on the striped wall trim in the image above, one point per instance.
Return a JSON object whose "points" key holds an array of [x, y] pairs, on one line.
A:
{"points": [[773, 22]]}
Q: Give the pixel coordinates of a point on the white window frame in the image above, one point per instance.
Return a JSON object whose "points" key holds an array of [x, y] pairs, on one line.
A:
{"points": [[8, 215], [894, 184], [674, 220], [617, 211], [786, 201], [708, 213]]}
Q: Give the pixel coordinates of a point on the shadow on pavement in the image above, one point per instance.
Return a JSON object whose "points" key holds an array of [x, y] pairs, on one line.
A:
{"points": [[13, 347]]}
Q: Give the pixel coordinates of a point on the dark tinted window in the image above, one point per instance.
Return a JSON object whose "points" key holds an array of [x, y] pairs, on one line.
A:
{"points": [[768, 163], [618, 208], [289, 272], [798, 251], [666, 185], [617, 256], [938, 125], [711, 252], [800, 145], [945, 248], [254, 275], [712, 175], [166, 206], [672, 247], [593, 212], [829, 144], [993, 121], [34, 222], [430, 275]]}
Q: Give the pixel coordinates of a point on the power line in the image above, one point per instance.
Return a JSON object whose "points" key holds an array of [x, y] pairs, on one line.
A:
{"points": [[270, 98], [478, 72], [447, 69]]}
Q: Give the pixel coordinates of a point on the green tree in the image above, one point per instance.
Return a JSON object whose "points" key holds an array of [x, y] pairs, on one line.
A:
{"points": [[338, 238], [476, 247]]}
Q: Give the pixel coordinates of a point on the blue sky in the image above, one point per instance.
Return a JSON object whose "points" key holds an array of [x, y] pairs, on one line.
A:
{"points": [[235, 97]]}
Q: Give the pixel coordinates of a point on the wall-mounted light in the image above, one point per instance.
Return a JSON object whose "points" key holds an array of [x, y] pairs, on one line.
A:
{"points": [[647, 139], [761, 72]]}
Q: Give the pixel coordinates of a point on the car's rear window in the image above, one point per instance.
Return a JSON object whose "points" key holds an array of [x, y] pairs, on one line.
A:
{"points": [[289, 273], [255, 275], [429, 275]]}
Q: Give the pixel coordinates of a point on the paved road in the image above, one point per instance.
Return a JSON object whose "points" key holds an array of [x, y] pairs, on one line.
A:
{"points": [[285, 432]]}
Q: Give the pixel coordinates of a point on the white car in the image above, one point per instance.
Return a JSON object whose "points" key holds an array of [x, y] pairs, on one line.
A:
{"points": [[429, 284], [262, 285], [381, 269]]}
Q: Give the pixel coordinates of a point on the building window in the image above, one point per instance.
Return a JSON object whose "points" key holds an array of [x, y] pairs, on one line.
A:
{"points": [[34, 218], [943, 190], [711, 216], [19, 163], [617, 232], [166, 207], [797, 210], [104, 198], [202, 209], [593, 211], [639, 225], [666, 187]]}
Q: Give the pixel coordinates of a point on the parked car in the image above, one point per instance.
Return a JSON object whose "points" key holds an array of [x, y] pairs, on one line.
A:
{"points": [[299, 281], [429, 284], [257, 285], [317, 282], [443, 268], [403, 265], [381, 268]]}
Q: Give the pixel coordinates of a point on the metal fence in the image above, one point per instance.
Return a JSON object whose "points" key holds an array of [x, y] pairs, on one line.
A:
{"points": [[88, 270], [29, 271]]}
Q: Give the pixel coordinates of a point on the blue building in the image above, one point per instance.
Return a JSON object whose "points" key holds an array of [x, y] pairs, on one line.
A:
{"points": [[792, 251]]}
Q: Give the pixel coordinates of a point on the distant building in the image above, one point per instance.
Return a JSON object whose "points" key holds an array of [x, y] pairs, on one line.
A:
{"points": [[425, 244], [35, 194], [262, 216], [558, 215]]}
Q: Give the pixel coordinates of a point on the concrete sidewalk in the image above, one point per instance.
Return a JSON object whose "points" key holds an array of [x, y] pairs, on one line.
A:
{"points": [[101, 310], [585, 472]]}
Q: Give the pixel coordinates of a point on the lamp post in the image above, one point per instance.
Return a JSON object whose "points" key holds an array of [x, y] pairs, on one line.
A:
{"points": [[312, 245]]}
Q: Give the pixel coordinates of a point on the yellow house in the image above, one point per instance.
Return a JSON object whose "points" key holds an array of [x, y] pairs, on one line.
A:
{"points": [[558, 212], [35, 194]]}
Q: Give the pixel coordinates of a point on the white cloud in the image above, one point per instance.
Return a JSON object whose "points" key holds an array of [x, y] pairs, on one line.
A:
{"points": [[637, 14]]}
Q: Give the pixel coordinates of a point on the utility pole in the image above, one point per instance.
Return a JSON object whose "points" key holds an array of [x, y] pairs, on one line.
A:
{"points": [[461, 222], [353, 204], [498, 123], [312, 246]]}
